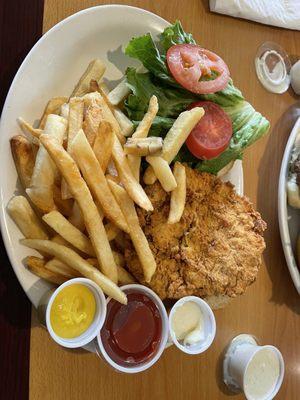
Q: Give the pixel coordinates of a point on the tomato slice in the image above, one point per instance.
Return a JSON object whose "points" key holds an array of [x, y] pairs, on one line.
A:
{"points": [[189, 62], [212, 134]]}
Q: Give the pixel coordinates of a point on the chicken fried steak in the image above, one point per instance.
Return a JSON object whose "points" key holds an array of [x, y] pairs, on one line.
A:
{"points": [[214, 250]]}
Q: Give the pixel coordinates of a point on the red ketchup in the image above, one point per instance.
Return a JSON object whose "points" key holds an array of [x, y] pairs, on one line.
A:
{"points": [[131, 333]]}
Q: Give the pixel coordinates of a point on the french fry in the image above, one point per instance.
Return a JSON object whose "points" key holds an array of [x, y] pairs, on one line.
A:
{"points": [[76, 262], [58, 267], [94, 71], [119, 93], [76, 106], [134, 189], [112, 170], [25, 218], [64, 110], [149, 176], [28, 129], [124, 122], [106, 112], [103, 144], [144, 126], [150, 146], [124, 277], [41, 186], [138, 237], [37, 266], [76, 218], [93, 117], [95, 179], [82, 195], [60, 240], [102, 85], [175, 138], [178, 195], [24, 157], [53, 107], [142, 132], [69, 232], [163, 172], [65, 206], [94, 86], [111, 231], [126, 125], [75, 121]]}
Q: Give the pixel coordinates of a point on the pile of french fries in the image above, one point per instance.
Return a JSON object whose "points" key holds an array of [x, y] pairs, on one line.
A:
{"points": [[80, 170]]}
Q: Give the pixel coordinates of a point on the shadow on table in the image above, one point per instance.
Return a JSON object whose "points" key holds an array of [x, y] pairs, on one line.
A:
{"points": [[284, 291], [219, 376]]}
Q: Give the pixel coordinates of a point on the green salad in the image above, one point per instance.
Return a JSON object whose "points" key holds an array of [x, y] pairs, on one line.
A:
{"points": [[248, 125]]}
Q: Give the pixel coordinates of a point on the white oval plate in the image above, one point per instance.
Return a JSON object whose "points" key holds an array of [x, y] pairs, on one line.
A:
{"points": [[52, 68], [289, 218]]}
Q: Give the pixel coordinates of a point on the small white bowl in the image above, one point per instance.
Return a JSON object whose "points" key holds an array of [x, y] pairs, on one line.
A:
{"points": [[97, 323], [164, 333], [237, 359], [208, 321]]}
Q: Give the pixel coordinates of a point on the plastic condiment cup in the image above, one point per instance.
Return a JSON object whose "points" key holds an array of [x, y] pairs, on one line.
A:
{"points": [[209, 326], [99, 318], [164, 332], [237, 359]]}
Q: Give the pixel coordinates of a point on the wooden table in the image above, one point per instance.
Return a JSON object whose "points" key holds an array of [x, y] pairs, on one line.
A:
{"points": [[270, 308]]}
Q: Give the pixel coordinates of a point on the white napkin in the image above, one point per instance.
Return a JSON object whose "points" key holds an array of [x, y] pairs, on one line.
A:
{"points": [[283, 13]]}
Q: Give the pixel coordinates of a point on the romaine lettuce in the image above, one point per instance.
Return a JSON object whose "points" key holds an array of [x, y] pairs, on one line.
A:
{"points": [[248, 124]]}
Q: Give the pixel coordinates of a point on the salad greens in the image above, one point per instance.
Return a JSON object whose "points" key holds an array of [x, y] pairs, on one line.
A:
{"points": [[248, 124]]}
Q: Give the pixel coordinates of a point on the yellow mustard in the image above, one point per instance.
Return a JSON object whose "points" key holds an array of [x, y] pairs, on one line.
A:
{"points": [[72, 311]]}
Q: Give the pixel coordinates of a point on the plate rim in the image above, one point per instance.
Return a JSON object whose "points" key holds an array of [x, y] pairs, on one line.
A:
{"points": [[3, 212], [283, 210]]}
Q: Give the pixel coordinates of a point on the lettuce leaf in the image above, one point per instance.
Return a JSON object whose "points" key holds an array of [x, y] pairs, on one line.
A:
{"points": [[144, 49], [171, 101], [248, 124], [175, 35]]}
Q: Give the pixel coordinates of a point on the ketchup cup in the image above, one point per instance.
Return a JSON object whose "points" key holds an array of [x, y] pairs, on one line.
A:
{"points": [[129, 364]]}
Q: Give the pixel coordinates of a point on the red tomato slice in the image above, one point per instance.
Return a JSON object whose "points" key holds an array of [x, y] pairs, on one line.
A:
{"points": [[189, 62], [212, 134]]}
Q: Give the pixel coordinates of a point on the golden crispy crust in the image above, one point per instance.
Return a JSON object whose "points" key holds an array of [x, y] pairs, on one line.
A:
{"points": [[216, 247]]}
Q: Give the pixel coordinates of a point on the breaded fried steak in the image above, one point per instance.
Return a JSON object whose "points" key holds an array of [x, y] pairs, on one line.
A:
{"points": [[216, 247]]}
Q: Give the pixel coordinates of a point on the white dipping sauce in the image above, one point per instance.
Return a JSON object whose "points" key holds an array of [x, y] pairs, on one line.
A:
{"points": [[187, 323], [261, 375]]}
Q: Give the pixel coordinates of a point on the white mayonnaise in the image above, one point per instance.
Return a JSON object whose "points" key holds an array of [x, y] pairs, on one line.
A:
{"points": [[187, 323], [261, 375]]}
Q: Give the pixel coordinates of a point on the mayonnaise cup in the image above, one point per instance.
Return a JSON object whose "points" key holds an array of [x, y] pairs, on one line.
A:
{"points": [[100, 313], [133, 369], [256, 370], [207, 325]]}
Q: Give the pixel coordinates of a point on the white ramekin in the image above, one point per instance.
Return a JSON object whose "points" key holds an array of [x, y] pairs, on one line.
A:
{"points": [[97, 323], [164, 333], [208, 321], [239, 354]]}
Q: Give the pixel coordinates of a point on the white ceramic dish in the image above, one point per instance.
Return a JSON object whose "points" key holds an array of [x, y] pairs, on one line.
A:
{"points": [[289, 218], [52, 68]]}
